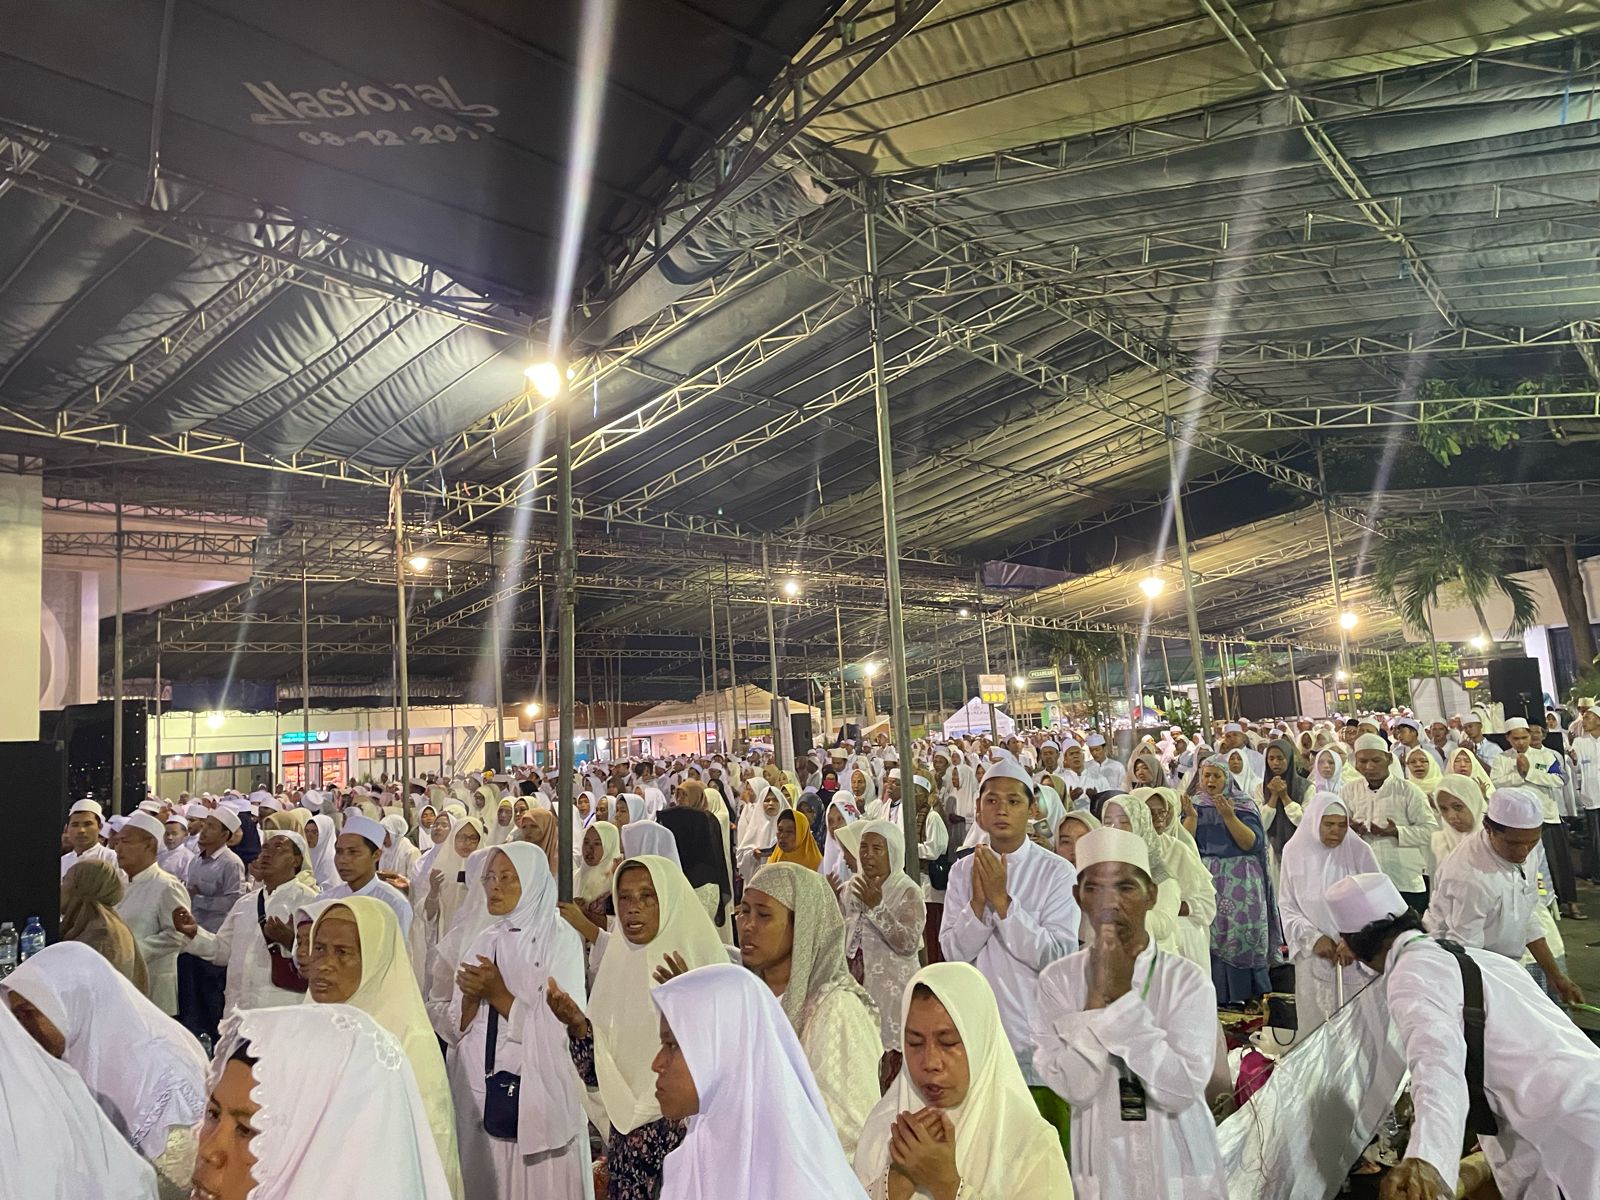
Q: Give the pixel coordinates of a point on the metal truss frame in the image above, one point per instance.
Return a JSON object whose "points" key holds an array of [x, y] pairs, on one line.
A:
{"points": [[1424, 500]]}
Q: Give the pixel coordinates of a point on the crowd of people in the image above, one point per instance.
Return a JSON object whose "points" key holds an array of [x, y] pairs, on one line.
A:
{"points": [[761, 987]]}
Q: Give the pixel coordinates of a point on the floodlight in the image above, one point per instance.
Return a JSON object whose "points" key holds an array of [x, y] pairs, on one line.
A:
{"points": [[1348, 620], [419, 562], [1152, 586], [546, 379]]}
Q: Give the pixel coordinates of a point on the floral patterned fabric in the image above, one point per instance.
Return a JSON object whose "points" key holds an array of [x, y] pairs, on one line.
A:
{"points": [[633, 1160]]}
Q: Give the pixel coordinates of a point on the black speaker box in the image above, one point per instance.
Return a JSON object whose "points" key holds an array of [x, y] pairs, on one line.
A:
{"points": [[30, 885], [800, 730], [1514, 682]]}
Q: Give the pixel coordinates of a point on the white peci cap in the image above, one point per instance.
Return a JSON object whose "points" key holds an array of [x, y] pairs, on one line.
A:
{"points": [[1356, 901], [1112, 845], [365, 826], [1516, 808], [145, 823]]}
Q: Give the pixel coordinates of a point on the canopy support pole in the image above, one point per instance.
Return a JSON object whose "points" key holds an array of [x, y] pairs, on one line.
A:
{"points": [[1202, 707], [117, 654], [400, 644], [566, 646], [1333, 574], [496, 615]]}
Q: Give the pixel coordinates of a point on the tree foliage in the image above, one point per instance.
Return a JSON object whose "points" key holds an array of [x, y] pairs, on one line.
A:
{"points": [[1413, 662], [1459, 555], [1090, 651]]}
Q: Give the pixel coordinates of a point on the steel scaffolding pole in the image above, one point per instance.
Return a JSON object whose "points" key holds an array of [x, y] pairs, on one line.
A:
{"points": [[498, 732], [1294, 680], [772, 663], [544, 656], [838, 635], [1333, 574], [403, 682], [156, 774], [734, 707], [117, 648], [899, 685], [716, 697], [567, 685], [305, 672], [1201, 707], [983, 630]]}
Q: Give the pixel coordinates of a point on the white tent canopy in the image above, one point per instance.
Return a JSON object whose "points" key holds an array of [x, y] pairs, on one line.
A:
{"points": [[973, 718]]}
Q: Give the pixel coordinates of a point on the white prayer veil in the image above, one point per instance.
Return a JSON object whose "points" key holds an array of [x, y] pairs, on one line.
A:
{"points": [[647, 837], [146, 1070], [1309, 868], [762, 1129], [44, 1103], [322, 853], [327, 1075]]}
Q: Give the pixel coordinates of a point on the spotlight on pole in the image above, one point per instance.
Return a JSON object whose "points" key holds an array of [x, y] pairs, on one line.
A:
{"points": [[1348, 620], [962, 612], [791, 588], [871, 668], [419, 562], [1479, 642], [546, 378], [1341, 676], [1019, 682], [1152, 586], [214, 720], [531, 709]]}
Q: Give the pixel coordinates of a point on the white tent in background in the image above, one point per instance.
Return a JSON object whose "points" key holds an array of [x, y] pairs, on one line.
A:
{"points": [[973, 718]]}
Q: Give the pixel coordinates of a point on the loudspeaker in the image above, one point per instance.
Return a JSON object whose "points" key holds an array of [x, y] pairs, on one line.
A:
{"points": [[1514, 682], [493, 758], [30, 885], [800, 730]]}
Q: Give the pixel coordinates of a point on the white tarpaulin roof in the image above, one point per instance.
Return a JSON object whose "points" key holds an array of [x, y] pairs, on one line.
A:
{"points": [[974, 718]]}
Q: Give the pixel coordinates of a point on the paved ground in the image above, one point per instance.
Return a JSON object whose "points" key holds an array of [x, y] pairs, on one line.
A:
{"points": [[1583, 960]]}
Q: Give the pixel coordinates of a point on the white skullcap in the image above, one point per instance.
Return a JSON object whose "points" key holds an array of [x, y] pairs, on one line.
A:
{"points": [[364, 826], [297, 839], [1411, 721], [225, 814], [311, 800], [1516, 808], [1585, 701], [923, 782], [196, 811], [1473, 718], [152, 807], [1356, 901], [1095, 740], [115, 824], [1112, 845], [271, 803], [1515, 723], [178, 818], [88, 806], [894, 774], [1371, 741], [1007, 768], [145, 823], [235, 804], [1049, 744], [1233, 727]]}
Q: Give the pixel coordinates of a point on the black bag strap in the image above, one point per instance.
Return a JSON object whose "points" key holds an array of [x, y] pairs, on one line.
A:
{"points": [[1480, 1117], [488, 1042]]}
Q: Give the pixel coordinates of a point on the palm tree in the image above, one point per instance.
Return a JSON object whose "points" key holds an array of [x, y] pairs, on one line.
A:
{"points": [[1462, 552], [1091, 651]]}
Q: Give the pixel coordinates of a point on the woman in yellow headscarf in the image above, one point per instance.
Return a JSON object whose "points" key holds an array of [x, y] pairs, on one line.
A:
{"points": [[795, 843]]}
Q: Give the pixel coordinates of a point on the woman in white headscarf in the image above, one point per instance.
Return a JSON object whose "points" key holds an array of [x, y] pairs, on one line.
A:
{"points": [[884, 914], [63, 1146], [791, 930], [661, 928], [1330, 771], [501, 826], [146, 1070], [374, 975], [401, 855], [647, 837], [498, 1021], [1419, 767], [1321, 852], [1197, 891], [730, 1064], [758, 824], [320, 836], [960, 1107], [591, 885], [842, 810], [860, 782], [1461, 806], [314, 1100], [1465, 762]]}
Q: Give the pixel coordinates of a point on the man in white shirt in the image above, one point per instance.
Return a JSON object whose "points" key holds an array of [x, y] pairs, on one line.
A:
{"points": [[1127, 1036], [1103, 775], [1584, 750], [1585, 706], [147, 905], [1393, 816], [260, 918], [355, 858], [1071, 776], [83, 836], [1540, 1080], [175, 859], [1527, 766], [1475, 739], [1486, 892], [1009, 910]]}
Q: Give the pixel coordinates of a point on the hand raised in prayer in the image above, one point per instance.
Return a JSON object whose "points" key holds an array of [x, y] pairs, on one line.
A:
{"points": [[1224, 807], [399, 882], [836, 884], [980, 898], [1415, 1179], [671, 967], [183, 921], [1387, 829], [430, 906], [278, 931], [867, 893], [927, 1159], [992, 867], [1522, 764], [485, 984], [1110, 968], [566, 1011]]}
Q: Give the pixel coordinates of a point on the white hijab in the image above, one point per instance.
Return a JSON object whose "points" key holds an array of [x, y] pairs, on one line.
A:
{"points": [[322, 853], [390, 860], [647, 837], [145, 1069], [44, 1104], [590, 883], [757, 831], [526, 944], [496, 834], [326, 1075], [1000, 1136], [762, 1129], [625, 1040], [832, 853], [1308, 868], [452, 866]]}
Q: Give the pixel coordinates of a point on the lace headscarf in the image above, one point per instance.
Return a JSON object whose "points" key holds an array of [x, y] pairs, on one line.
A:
{"points": [[816, 964]]}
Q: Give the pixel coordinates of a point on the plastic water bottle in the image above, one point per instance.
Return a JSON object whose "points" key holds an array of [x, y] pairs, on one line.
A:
{"points": [[8, 949], [32, 939]]}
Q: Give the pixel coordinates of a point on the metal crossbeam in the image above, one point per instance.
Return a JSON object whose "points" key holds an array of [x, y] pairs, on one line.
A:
{"points": [[155, 545], [1128, 509]]}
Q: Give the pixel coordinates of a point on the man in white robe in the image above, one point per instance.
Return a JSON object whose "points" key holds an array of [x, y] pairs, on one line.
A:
{"points": [[356, 855], [1486, 892], [1009, 908], [83, 836], [1541, 1075], [1103, 775], [1127, 1036], [147, 906], [240, 944], [1393, 816], [1528, 767]]}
